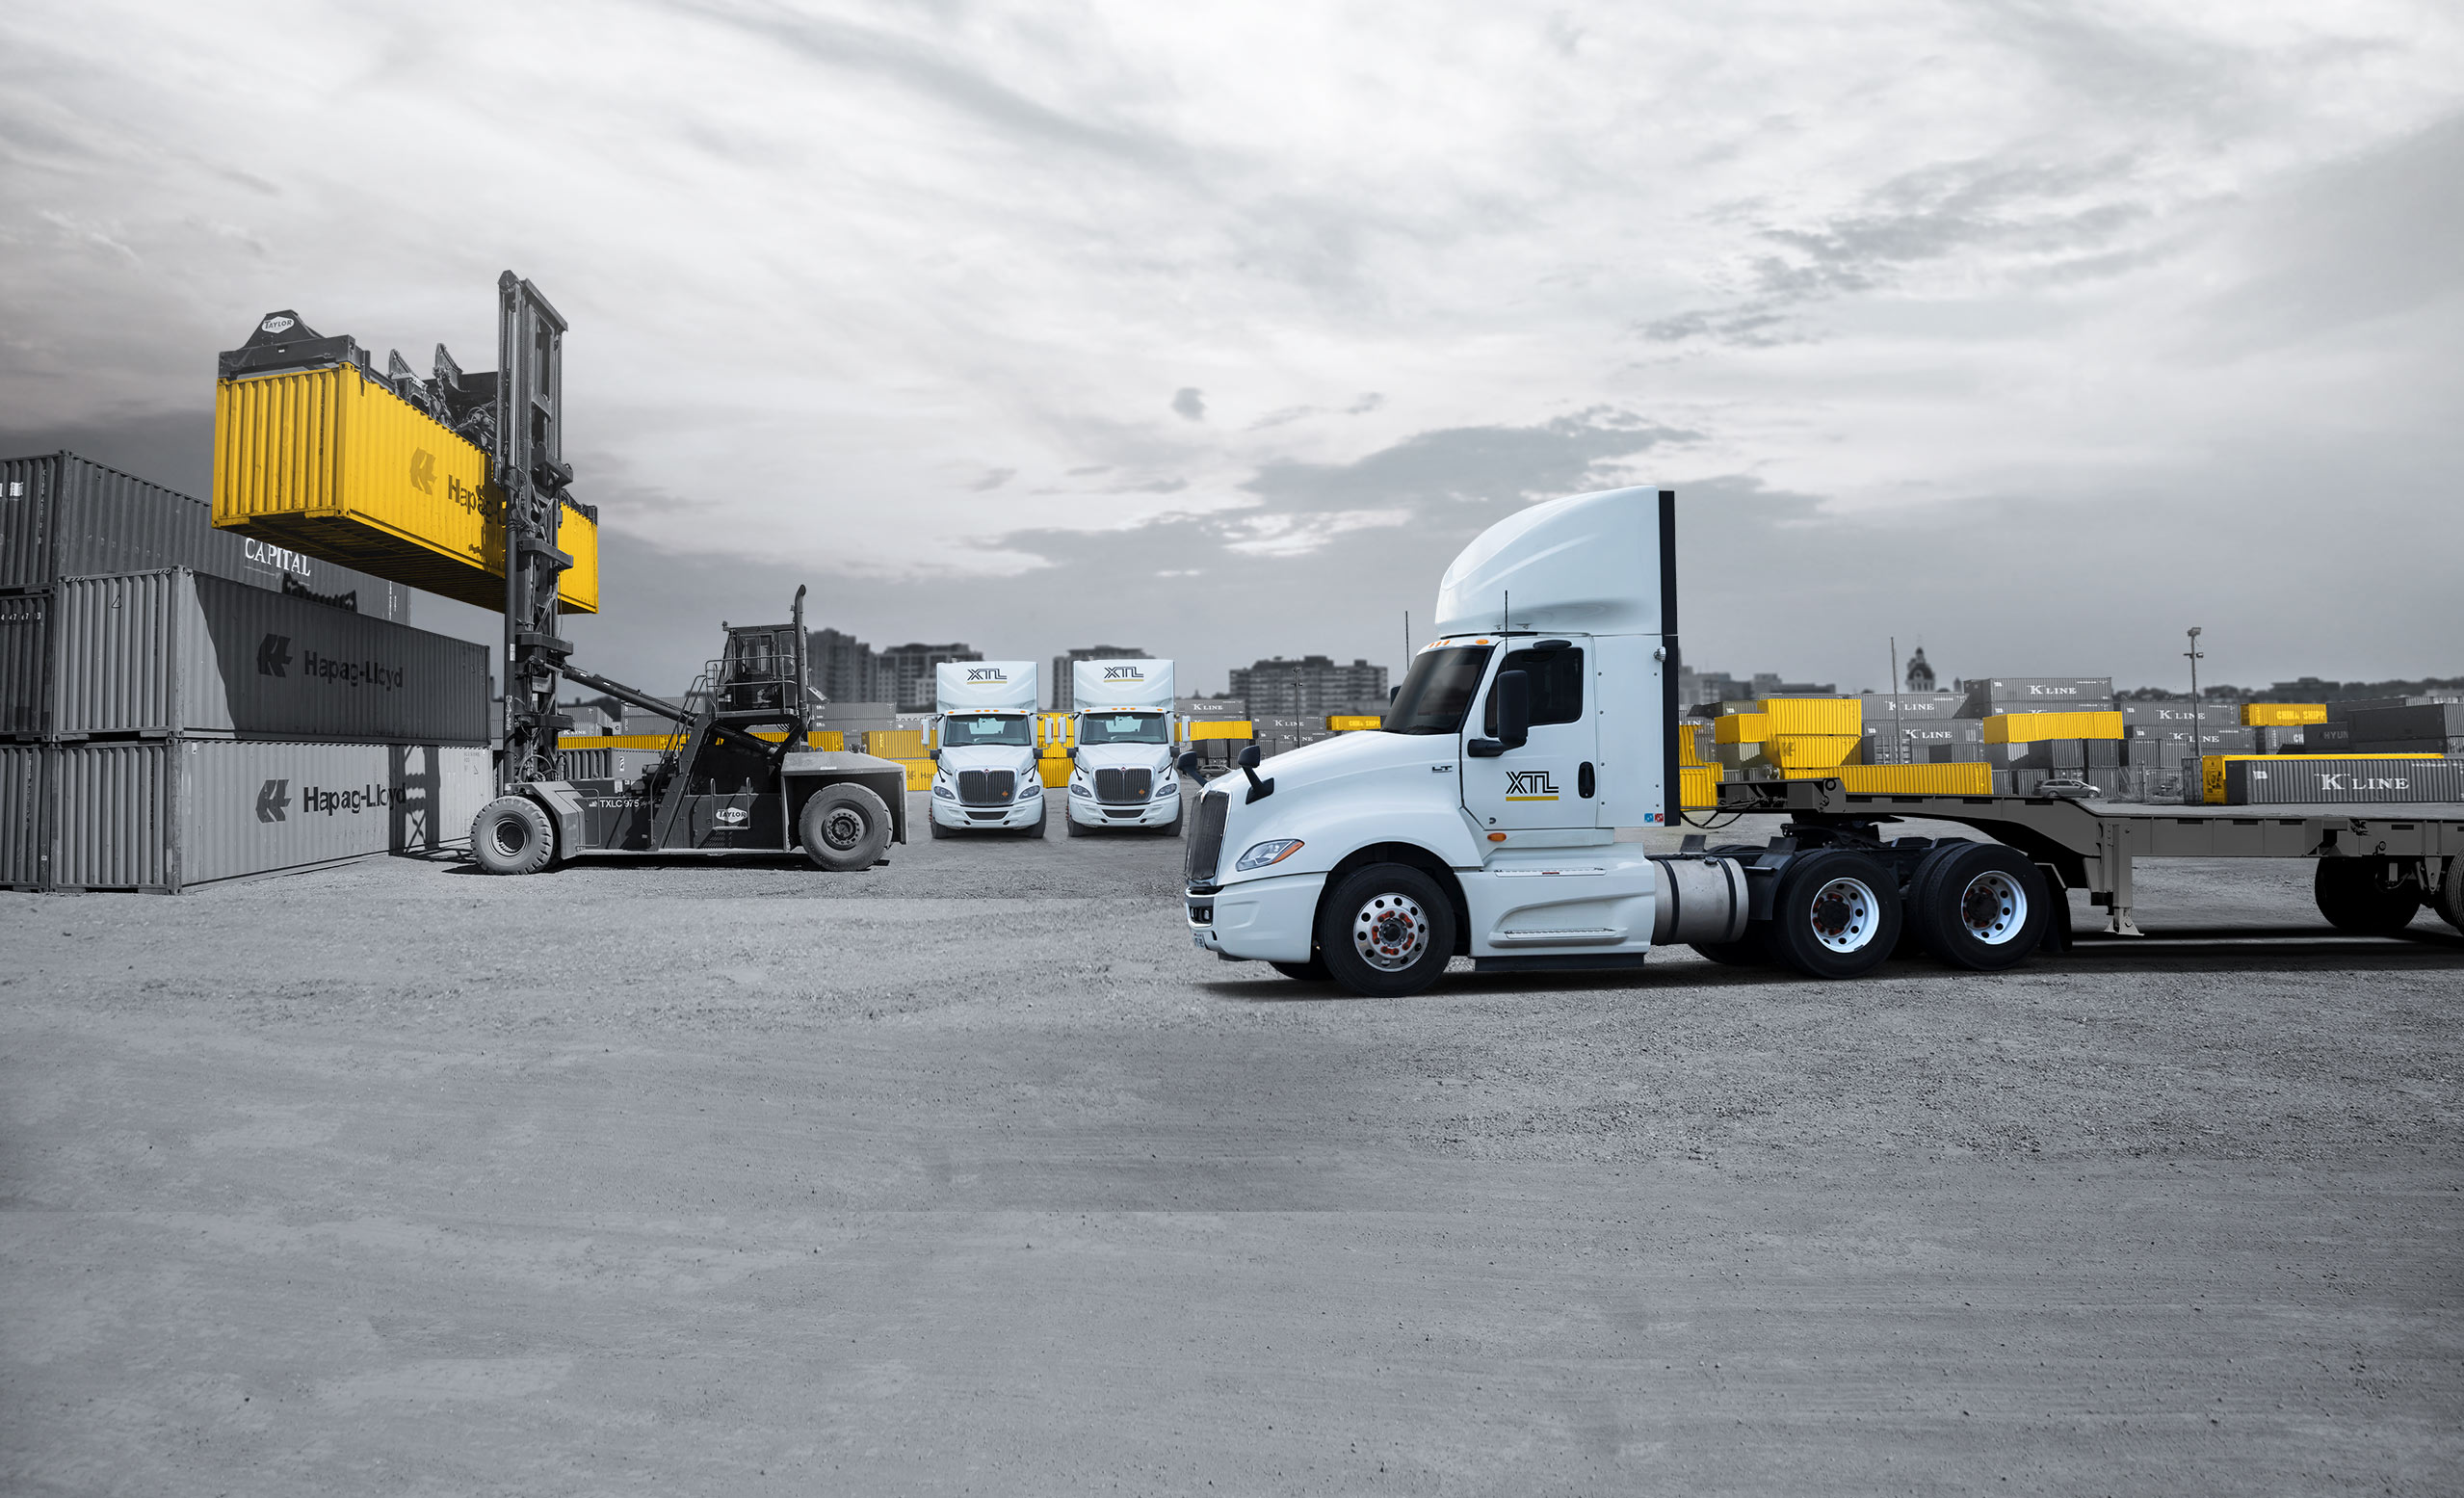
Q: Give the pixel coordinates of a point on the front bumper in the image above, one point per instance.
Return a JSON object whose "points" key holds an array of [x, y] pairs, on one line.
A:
{"points": [[1087, 812], [1017, 814], [1270, 920]]}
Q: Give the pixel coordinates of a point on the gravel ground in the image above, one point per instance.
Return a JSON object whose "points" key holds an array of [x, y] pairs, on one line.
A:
{"points": [[969, 1174]]}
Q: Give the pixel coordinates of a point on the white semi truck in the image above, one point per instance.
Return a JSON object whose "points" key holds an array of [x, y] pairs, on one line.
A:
{"points": [[1122, 773], [983, 748], [1483, 821]]}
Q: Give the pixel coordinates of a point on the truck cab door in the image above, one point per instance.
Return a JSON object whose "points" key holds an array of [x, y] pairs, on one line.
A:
{"points": [[1551, 779]]}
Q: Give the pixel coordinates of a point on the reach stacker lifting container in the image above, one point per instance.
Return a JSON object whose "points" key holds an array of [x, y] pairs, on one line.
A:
{"points": [[1482, 820]]}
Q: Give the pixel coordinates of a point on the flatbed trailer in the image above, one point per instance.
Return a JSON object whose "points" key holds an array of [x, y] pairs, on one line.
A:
{"points": [[2092, 844]]}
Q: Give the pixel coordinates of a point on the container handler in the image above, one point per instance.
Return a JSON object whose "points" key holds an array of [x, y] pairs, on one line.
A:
{"points": [[744, 779], [1122, 773], [1481, 820]]}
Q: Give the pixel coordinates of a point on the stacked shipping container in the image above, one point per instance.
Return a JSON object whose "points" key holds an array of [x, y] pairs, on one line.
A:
{"points": [[179, 704]]}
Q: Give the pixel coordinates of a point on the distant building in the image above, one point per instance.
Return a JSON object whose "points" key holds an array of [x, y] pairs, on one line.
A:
{"points": [[1064, 695], [907, 674], [1310, 686], [1920, 675], [844, 667]]}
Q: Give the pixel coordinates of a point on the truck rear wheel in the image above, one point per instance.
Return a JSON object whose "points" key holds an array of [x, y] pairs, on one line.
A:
{"points": [[2450, 901], [1836, 914], [512, 834], [843, 827], [2368, 897], [1386, 932], [1978, 905]]}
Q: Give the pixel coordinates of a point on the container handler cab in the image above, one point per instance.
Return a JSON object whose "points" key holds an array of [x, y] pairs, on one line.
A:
{"points": [[1122, 773], [745, 780], [1483, 821]]}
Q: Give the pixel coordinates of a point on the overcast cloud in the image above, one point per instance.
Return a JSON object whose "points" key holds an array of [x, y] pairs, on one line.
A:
{"points": [[2038, 331]]}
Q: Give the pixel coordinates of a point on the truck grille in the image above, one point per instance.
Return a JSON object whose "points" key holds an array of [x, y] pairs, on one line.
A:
{"points": [[1122, 787], [1206, 837], [987, 787]]}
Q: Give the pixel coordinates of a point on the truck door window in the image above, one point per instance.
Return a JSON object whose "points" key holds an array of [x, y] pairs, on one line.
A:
{"points": [[1556, 686], [1437, 692]]}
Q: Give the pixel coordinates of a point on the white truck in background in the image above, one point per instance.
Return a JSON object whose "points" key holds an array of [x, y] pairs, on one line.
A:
{"points": [[1122, 732], [983, 748]]}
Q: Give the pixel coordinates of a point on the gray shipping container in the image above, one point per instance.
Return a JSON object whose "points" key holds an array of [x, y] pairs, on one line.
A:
{"points": [[1932, 707], [2398, 725], [2260, 782], [63, 516], [166, 814], [2037, 695], [177, 652], [25, 663], [2341, 712], [2176, 714]]}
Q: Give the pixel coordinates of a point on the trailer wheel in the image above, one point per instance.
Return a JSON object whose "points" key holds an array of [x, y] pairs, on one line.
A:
{"points": [[1313, 970], [1386, 932], [512, 834], [845, 828], [2368, 897], [2449, 900], [1836, 914], [1978, 905]]}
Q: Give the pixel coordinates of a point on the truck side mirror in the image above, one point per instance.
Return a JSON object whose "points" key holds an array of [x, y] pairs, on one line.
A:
{"points": [[1187, 765], [1248, 759], [1514, 708]]}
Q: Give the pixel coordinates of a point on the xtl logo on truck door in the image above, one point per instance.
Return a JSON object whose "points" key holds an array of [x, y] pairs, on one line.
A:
{"points": [[271, 799], [1530, 785]]}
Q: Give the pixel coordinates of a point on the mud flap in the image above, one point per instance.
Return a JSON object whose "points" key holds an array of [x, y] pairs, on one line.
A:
{"points": [[2057, 939]]}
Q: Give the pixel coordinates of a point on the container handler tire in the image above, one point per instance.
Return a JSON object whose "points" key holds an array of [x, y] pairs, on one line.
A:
{"points": [[1386, 932], [2367, 897], [843, 827], [1978, 905], [1836, 914], [512, 834], [2449, 902], [1313, 970]]}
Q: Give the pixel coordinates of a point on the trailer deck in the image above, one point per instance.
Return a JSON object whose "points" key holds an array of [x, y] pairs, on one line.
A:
{"points": [[2091, 844]]}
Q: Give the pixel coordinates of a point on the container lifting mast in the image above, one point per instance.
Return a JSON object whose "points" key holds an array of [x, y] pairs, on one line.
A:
{"points": [[527, 450]]}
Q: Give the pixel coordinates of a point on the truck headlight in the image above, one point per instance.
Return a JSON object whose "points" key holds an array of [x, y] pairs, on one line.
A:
{"points": [[1030, 786], [941, 788], [1167, 788], [1078, 787], [1272, 850]]}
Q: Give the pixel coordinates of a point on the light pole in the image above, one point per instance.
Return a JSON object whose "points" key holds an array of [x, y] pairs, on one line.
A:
{"points": [[2198, 748]]}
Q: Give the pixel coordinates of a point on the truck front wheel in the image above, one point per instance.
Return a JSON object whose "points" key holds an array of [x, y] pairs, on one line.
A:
{"points": [[512, 835], [2449, 902], [1386, 932], [1836, 914], [845, 828], [2368, 897]]}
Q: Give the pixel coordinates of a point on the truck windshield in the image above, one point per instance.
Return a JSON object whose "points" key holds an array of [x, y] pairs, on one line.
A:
{"points": [[979, 729], [1120, 728], [1437, 691]]}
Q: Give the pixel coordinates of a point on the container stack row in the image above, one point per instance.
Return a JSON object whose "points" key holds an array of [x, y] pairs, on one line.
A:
{"points": [[180, 705]]}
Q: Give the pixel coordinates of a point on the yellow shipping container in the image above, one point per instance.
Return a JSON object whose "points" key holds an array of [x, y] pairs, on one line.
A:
{"points": [[331, 463], [1972, 779], [1340, 723], [1741, 728], [1221, 728], [1697, 787], [1811, 751], [1054, 771], [2282, 714], [2037, 727], [2212, 767], [1813, 714], [896, 743]]}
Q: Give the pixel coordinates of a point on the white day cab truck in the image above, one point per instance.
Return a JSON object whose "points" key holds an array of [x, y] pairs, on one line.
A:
{"points": [[983, 749], [1481, 820], [1121, 772]]}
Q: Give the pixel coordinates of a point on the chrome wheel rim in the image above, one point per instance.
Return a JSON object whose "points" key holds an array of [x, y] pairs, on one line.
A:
{"points": [[1844, 915], [1993, 908], [1390, 932]]}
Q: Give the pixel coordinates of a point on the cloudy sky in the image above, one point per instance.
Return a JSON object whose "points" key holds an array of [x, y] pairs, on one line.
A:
{"points": [[2037, 331]]}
